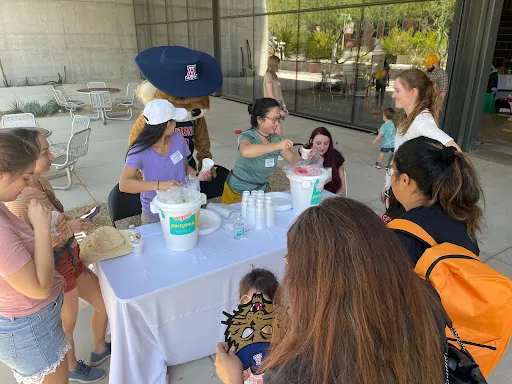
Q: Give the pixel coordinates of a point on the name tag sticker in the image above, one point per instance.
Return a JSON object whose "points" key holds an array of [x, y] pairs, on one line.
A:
{"points": [[176, 157], [270, 163]]}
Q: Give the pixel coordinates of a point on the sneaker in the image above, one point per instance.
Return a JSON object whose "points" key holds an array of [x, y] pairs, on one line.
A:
{"points": [[85, 374], [98, 358], [378, 165]]}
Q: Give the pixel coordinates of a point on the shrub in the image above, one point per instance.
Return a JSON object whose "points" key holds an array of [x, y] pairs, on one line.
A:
{"points": [[34, 107], [51, 107], [14, 107], [319, 44]]}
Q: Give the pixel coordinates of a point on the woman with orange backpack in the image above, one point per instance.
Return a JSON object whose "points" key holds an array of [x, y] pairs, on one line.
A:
{"points": [[440, 191]]}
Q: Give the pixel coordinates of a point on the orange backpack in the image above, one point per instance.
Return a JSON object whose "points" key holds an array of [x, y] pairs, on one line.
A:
{"points": [[477, 298]]}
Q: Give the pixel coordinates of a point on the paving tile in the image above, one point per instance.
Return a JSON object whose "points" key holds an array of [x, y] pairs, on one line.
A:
{"points": [[505, 256], [201, 371], [495, 236], [502, 373], [500, 266]]}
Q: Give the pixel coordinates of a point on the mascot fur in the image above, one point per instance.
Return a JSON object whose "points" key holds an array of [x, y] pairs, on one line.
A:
{"points": [[186, 78]]}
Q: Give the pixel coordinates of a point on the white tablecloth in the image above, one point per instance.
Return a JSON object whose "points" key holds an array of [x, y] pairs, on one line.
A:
{"points": [[165, 307]]}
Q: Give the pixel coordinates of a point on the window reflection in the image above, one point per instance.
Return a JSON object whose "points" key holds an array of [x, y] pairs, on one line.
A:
{"points": [[198, 39], [178, 34], [143, 37], [236, 36], [156, 9], [199, 9], [159, 35], [235, 7], [176, 10], [327, 71], [394, 38], [268, 6], [328, 3], [336, 64], [280, 33], [141, 11]]}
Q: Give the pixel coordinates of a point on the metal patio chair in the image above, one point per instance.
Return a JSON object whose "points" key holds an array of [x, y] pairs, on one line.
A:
{"points": [[18, 120], [96, 84], [78, 124], [60, 99], [77, 147], [101, 103]]}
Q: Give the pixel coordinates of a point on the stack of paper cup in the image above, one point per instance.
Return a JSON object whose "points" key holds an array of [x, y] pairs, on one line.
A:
{"points": [[207, 165]]}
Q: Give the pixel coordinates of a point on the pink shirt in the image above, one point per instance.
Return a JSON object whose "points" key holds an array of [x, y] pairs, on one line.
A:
{"points": [[16, 249]]}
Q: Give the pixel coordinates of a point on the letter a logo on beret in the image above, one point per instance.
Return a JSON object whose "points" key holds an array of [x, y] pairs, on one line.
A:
{"points": [[191, 73]]}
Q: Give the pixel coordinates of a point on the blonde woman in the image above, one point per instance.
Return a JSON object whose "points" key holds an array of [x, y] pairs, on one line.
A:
{"points": [[272, 87]]}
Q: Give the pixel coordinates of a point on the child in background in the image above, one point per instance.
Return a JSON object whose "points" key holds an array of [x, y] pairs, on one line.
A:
{"points": [[257, 281], [387, 133]]}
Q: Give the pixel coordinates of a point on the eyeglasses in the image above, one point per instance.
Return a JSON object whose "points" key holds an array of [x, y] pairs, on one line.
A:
{"points": [[275, 120], [389, 170]]}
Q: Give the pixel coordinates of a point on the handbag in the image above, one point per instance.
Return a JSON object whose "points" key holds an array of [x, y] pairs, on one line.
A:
{"points": [[460, 367]]}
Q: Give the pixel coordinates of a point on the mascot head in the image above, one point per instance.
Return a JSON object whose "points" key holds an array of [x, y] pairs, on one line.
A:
{"points": [[249, 329], [183, 76]]}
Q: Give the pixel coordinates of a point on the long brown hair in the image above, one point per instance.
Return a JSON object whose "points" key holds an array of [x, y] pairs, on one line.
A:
{"points": [[429, 97], [16, 154], [445, 176], [273, 66], [352, 310]]}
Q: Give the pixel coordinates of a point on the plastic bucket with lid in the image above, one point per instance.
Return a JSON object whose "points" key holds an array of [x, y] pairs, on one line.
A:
{"points": [[306, 190], [180, 222]]}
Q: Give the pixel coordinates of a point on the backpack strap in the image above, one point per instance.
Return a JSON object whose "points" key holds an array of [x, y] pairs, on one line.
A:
{"points": [[412, 229]]}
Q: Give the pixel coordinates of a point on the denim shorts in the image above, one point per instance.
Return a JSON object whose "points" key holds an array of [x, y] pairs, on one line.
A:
{"points": [[34, 345], [386, 150]]}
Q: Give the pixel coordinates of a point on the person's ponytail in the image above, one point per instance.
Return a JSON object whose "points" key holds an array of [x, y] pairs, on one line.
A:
{"points": [[458, 190], [254, 119], [444, 176], [433, 100], [429, 97]]}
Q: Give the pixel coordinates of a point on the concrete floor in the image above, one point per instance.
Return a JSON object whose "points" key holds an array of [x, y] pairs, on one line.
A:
{"points": [[99, 171]]}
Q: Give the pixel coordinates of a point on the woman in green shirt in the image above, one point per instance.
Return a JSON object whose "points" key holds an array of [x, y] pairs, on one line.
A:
{"points": [[259, 148]]}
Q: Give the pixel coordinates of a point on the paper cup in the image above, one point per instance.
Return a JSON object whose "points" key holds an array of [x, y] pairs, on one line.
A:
{"points": [[305, 153], [207, 165]]}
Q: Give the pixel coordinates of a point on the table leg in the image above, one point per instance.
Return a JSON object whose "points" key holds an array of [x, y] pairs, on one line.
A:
{"points": [[103, 117]]}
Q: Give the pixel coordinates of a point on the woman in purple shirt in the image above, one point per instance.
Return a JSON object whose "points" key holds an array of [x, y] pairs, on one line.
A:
{"points": [[160, 154]]}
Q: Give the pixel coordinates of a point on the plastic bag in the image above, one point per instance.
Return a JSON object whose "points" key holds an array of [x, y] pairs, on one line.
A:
{"points": [[192, 183], [306, 167], [175, 195]]}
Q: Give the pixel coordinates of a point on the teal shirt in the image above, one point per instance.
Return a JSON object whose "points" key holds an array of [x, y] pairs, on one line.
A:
{"points": [[388, 132], [256, 171]]}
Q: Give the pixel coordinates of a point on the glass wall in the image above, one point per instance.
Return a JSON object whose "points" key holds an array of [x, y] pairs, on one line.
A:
{"points": [[188, 23], [338, 57]]}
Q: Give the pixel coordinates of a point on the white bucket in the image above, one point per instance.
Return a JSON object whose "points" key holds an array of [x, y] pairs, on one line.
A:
{"points": [[306, 190], [180, 222]]}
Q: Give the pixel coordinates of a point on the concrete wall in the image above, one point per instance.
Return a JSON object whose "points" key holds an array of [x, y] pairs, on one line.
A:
{"points": [[94, 39]]}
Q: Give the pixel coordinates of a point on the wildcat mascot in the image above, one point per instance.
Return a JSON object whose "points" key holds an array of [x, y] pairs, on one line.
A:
{"points": [[186, 78]]}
